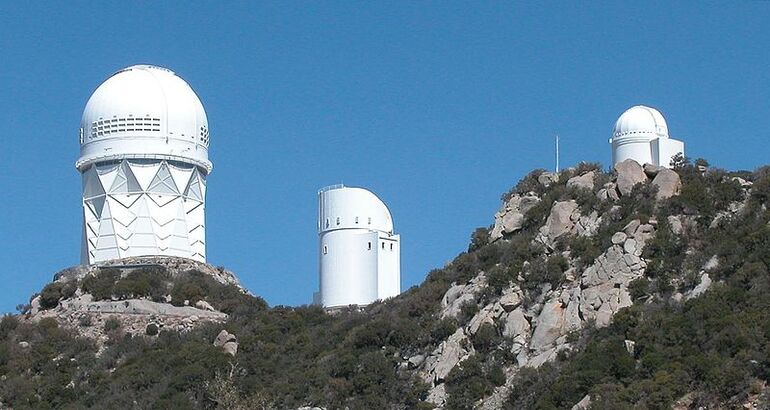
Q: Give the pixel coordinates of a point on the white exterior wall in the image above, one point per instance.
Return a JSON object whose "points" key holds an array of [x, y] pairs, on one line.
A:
{"points": [[637, 149], [348, 268], [658, 151], [150, 207], [388, 266], [359, 256], [666, 148], [144, 162]]}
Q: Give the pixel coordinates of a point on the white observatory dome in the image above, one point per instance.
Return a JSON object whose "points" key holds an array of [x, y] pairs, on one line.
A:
{"points": [[640, 122], [144, 111]]}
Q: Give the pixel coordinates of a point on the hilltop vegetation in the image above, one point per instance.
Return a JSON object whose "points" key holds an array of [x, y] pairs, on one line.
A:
{"points": [[477, 332]]}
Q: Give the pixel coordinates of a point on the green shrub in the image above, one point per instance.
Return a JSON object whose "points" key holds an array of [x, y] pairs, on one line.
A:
{"points": [[479, 238], [100, 284], [151, 330], [111, 324], [639, 288], [49, 297], [485, 338]]}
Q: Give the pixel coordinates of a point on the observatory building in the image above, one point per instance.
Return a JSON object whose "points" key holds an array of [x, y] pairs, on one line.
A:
{"points": [[641, 134], [359, 255], [144, 142]]}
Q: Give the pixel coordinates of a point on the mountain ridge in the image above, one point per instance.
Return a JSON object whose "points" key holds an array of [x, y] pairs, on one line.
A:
{"points": [[573, 271]]}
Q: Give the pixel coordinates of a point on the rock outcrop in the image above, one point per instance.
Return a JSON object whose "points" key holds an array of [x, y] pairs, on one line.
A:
{"points": [[560, 221], [90, 318], [227, 341], [511, 216], [458, 295], [668, 183], [629, 173], [585, 181]]}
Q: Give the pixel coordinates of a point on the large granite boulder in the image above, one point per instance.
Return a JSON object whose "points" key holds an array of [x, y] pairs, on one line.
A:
{"points": [[561, 220], [629, 173], [668, 183], [585, 181]]}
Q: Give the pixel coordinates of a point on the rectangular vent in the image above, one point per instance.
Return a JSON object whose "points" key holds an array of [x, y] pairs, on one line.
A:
{"points": [[112, 126]]}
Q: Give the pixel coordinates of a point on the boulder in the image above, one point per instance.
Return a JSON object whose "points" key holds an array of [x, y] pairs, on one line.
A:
{"points": [[631, 227], [618, 238], [437, 396], [227, 341], [585, 181], [511, 217], [560, 221], [510, 299], [549, 325], [676, 224], [742, 182], [703, 286], [548, 178], [231, 348], [668, 183], [415, 361], [517, 327], [449, 353], [583, 404], [629, 173], [203, 305], [487, 314], [587, 225], [711, 264], [652, 170], [458, 295], [24, 345]]}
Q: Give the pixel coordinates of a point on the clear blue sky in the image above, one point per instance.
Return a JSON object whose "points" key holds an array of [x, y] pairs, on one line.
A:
{"points": [[438, 107]]}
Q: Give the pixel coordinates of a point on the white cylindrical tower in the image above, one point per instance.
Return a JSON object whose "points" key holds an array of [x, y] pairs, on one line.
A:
{"points": [[144, 161], [359, 255], [634, 131]]}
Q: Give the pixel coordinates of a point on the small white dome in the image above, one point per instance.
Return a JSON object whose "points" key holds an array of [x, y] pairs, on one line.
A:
{"points": [[352, 208], [641, 121], [144, 111]]}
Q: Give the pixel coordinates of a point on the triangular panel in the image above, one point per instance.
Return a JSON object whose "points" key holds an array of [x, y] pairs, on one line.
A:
{"points": [[181, 175], [92, 186], [163, 182], [193, 189], [125, 181], [144, 172], [107, 173], [95, 205]]}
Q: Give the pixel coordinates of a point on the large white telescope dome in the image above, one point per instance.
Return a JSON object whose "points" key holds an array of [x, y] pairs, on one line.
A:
{"points": [[144, 111], [640, 121]]}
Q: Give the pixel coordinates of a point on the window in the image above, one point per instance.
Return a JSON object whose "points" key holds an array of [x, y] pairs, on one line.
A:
{"points": [[370, 220], [391, 246], [370, 246], [383, 245], [325, 250], [338, 220], [356, 219], [327, 222]]}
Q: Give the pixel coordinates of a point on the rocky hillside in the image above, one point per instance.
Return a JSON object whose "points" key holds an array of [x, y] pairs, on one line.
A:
{"points": [[636, 288]]}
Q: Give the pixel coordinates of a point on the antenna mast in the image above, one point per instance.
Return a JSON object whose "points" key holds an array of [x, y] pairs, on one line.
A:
{"points": [[557, 154]]}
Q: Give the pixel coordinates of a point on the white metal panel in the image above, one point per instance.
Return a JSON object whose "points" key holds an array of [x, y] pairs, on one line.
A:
{"points": [[144, 111], [348, 268], [359, 256], [665, 149], [389, 266]]}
